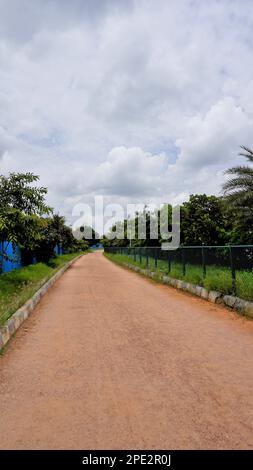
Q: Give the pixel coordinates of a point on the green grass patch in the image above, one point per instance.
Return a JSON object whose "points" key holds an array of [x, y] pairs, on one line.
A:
{"points": [[18, 286], [217, 278]]}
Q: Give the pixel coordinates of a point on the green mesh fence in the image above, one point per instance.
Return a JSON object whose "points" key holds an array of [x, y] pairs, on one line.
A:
{"points": [[228, 269]]}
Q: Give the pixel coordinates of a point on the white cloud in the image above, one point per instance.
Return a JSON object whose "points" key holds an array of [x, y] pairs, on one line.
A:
{"points": [[211, 139], [130, 172], [135, 99]]}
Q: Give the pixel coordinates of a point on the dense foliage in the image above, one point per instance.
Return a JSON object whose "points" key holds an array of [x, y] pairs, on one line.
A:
{"points": [[238, 191], [208, 220], [204, 221], [27, 221]]}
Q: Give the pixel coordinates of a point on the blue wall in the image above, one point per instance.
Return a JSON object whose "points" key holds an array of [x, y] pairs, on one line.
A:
{"points": [[13, 254], [15, 261], [58, 250]]}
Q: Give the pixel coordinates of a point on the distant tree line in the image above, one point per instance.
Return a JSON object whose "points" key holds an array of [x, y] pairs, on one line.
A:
{"points": [[28, 222], [208, 220]]}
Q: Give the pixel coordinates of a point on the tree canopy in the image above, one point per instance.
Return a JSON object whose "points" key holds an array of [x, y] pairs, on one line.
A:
{"points": [[27, 221]]}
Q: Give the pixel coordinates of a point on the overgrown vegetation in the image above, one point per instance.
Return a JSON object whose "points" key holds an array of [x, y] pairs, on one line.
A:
{"points": [[18, 286]]}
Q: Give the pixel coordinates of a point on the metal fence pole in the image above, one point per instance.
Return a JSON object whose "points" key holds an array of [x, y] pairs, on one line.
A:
{"points": [[233, 273], [156, 257], [203, 262], [169, 261], [183, 261]]}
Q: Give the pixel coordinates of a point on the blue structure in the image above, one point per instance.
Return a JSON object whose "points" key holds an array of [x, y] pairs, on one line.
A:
{"points": [[98, 246], [58, 250], [14, 260]]}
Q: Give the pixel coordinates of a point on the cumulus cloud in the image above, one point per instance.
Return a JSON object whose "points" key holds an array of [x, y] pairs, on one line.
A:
{"points": [[211, 139], [133, 99], [130, 171]]}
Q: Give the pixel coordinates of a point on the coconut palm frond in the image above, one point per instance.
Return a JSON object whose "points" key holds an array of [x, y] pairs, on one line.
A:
{"points": [[240, 198], [243, 182], [240, 170], [248, 153], [238, 190]]}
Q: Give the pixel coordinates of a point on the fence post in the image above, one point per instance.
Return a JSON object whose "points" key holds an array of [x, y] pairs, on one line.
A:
{"points": [[169, 262], [203, 262], [183, 261], [140, 255], [147, 257], [233, 273], [156, 257], [134, 254]]}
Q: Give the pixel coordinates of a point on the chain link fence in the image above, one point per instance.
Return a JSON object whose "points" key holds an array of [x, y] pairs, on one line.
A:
{"points": [[228, 269]]}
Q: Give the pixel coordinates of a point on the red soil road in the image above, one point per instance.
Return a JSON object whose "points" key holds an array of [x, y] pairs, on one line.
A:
{"points": [[110, 359]]}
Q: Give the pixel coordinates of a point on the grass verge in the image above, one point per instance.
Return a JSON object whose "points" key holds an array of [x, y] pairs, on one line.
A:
{"points": [[19, 286], [217, 278]]}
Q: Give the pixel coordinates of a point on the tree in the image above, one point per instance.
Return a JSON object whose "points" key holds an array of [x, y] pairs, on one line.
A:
{"points": [[44, 250], [17, 192], [54, 233], [88, 234], [21, 206], [238, 192], [144, 229], [239, 188], [204, 221]]}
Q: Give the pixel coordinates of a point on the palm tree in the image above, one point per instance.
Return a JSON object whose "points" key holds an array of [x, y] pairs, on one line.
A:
{"points": [[238, 190]]}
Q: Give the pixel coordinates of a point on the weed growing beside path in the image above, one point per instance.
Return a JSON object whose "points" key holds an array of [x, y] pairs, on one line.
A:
{"points": [[18, 286]]}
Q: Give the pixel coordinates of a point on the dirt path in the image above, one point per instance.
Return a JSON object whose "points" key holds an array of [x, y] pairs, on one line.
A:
{"points": [[112, 360]]}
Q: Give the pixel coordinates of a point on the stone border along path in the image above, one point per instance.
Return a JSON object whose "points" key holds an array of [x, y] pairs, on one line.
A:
{"points": [[244, 307], [17, 318], [110, 360]]}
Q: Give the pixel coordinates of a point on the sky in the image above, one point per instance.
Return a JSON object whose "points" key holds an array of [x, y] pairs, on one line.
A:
{"points": [[138, 101]]}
